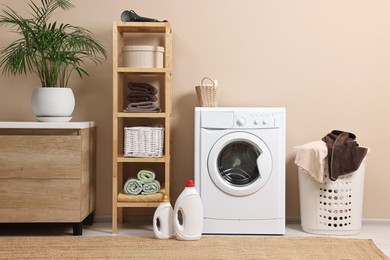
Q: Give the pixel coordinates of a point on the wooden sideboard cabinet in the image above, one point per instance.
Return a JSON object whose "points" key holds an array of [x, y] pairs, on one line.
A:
{"points": [[47, 173]]}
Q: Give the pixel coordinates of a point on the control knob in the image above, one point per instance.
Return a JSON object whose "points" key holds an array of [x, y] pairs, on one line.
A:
{"points": [[241, 121]]}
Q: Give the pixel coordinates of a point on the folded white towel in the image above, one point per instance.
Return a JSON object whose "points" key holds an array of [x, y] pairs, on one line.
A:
{"points": [[311, 158]]}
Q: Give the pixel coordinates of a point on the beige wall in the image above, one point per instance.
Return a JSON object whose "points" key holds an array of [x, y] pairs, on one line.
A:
{"points": [[327, 62]]}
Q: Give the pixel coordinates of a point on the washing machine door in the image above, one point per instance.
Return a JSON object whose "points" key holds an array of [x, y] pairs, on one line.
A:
{"points": [[239, 163]]}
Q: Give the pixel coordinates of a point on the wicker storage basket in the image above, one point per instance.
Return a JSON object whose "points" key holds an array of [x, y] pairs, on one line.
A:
{"points": [[143, 141], [207, 93]]}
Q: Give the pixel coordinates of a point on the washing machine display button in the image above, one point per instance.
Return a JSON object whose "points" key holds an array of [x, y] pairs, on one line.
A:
{"points": [[252, 120], [261, 121]]}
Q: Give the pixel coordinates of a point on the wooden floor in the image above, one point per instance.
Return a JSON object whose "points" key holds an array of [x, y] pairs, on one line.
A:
{"points": [[378, 231]]}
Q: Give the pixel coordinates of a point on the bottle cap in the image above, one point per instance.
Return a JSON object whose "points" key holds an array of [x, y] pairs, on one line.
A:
{"points": [[190, 183], [165, 199]]}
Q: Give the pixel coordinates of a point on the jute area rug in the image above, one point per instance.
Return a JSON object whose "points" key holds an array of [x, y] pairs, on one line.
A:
{"points": [[208, 247]]}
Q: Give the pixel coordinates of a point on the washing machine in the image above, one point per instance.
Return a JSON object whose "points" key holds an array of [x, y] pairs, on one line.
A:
{"points": [[240, 169]]}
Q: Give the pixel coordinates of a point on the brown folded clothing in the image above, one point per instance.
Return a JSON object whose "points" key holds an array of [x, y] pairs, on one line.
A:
{"points": [[142, 107], [141, 98], [145, 104], [142, 110], [142, 87], [344, 154], [135, 93]]}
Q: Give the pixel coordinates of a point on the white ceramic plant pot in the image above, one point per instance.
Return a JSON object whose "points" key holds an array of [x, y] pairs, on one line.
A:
{"points": [[53, 104]]}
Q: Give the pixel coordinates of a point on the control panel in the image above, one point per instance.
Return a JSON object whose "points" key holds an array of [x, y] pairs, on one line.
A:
{"points": [[247, 119], [218, 118]]}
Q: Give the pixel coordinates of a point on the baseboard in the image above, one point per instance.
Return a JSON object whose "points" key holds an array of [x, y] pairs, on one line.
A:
{"points": [[102, 218], [365, 221], [377, 221], [289, 220], [293, 220], [126, 219]]}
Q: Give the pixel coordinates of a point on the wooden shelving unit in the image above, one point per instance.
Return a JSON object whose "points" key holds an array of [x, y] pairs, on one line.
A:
{"points": [[136, 33]]}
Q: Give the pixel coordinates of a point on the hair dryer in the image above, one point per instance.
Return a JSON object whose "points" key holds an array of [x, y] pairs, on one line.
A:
{"points": [[131, 16]]}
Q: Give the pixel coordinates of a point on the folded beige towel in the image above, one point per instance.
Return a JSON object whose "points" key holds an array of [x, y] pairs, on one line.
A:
{"points": [[142, 198], [311, 158]]}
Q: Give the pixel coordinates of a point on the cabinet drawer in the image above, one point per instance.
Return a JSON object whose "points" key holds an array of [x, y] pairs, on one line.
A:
{"points": [[40, 156], [40, 200]]}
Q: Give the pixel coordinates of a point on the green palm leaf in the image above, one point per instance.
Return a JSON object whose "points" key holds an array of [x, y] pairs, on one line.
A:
{"points": [[51, 50]]}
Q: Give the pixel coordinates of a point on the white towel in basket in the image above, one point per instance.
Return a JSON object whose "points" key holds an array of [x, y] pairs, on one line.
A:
{"points": [[310, 157]]}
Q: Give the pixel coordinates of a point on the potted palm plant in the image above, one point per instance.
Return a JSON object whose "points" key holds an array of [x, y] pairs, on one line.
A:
{"points": [[53, 51]]}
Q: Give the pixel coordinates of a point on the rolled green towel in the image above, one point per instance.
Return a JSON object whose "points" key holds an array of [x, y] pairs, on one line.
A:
{"points": [[145, 176], [152, 187], [132, 187]]}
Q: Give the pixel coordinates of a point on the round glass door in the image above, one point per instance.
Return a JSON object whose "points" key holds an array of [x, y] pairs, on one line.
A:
{"points": [[237, 163], [240, 163]]}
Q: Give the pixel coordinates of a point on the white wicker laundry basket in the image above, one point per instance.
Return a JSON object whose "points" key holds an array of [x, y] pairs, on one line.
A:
{"points": [[143, 141], [332, 207]]}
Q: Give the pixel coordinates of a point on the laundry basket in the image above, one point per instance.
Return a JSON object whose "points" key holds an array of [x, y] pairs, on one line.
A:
{"points": [[332, 207]]}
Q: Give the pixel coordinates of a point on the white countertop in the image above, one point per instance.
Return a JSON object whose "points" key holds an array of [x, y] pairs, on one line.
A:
{"points": [[50, 125]]}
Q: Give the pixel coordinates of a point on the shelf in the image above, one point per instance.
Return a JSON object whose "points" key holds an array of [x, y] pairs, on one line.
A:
{"points": [[141, 115], [143, 27], [142, 70], [134, 33], [137, 204], [141, 159]]}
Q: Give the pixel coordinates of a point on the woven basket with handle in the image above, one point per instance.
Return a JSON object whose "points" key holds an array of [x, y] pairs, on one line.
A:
{"points": [[207, 93]]}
